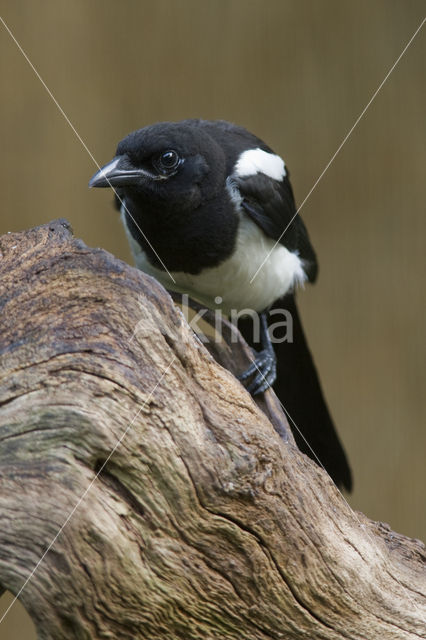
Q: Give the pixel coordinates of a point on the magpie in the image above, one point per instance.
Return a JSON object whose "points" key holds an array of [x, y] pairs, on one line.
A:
{"points": [[209, 211]]}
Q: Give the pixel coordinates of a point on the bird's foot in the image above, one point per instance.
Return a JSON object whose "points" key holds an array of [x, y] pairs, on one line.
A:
{"points": [[263, 371]]}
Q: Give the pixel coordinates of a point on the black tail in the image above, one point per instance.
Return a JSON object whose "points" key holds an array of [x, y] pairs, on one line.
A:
{"points": [[299, 390]]}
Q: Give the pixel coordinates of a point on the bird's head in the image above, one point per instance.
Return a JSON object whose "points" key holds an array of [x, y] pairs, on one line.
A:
{"points": [[174, 162]]}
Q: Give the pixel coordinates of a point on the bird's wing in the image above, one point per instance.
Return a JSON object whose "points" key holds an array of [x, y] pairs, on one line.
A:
{"points": [[270, 204]]}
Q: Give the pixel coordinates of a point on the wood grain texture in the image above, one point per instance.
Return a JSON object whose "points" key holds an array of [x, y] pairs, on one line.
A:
{"points": [[203, 523]]}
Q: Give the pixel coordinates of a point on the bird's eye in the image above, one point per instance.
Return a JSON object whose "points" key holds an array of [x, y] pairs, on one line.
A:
{"points": [[168, 161]]}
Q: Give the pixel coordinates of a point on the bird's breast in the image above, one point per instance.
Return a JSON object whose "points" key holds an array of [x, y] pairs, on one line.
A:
{"points": [[234, 284]]}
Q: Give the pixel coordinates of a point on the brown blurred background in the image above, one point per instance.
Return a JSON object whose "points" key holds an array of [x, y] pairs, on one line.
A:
{"points": [[297, 73]]}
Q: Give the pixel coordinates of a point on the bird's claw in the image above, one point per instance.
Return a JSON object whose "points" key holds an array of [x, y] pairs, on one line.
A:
{"points": [[265, 372]]}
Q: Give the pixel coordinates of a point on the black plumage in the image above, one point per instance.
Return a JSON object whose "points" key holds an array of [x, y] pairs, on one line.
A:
{"points": [[202, 203]]}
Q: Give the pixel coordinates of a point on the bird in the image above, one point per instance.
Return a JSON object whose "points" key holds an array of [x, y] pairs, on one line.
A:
{"points": [[209, 211]]}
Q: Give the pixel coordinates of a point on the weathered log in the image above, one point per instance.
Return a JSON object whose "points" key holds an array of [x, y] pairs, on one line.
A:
{"points": [[203, 522]]}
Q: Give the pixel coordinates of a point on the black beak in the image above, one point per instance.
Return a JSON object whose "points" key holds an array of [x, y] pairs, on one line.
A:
{"points": [[118, 173]]}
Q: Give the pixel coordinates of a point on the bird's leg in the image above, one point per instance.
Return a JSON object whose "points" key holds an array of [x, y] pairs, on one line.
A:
{"points": [[264, 367]]}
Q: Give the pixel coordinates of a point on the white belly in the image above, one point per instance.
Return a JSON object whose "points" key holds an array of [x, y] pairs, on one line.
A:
{"points": [[228, 286]]}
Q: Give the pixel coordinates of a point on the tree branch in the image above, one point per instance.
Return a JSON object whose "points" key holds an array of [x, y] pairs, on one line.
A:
{"points": [[204, 522]]}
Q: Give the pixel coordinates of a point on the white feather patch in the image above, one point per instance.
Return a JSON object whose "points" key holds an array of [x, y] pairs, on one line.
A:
{"points": [[257, 161], [230, 280]]}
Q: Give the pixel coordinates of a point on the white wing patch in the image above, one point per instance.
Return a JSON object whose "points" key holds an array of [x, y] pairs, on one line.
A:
{"points": [[257, 161]]}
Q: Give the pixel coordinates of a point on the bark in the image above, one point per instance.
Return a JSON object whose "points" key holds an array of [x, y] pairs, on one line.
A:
{"points": [[203, 522]]}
